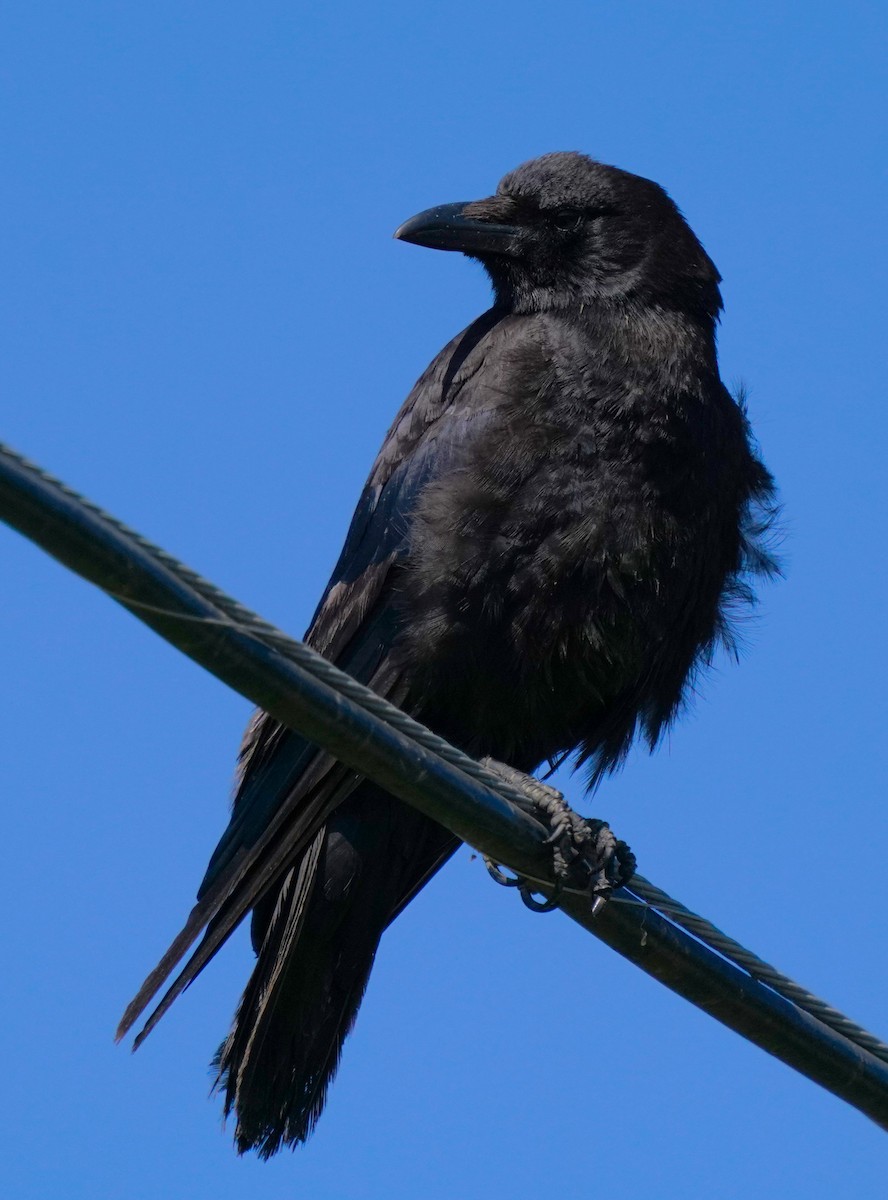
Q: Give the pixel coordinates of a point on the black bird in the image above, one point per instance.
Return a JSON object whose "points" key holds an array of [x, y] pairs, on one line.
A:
{"points": [[549, 545]]}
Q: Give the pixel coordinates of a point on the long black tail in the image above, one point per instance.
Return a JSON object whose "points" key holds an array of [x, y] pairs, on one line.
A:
{"points": [[316, 941]]}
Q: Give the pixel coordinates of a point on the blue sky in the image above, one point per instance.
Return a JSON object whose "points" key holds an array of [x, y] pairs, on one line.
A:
{"points": [[198, 199]]}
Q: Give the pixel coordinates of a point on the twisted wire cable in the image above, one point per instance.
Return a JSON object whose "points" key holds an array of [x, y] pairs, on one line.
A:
{"points": [[716, 939], [639, 891]]}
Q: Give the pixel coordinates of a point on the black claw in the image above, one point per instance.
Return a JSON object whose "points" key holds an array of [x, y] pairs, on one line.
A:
{"points": [[540, 906], [493, 870], [625, 863]]}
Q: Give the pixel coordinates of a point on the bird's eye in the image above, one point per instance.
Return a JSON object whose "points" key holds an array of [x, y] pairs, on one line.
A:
{"points": [[567, 220]]}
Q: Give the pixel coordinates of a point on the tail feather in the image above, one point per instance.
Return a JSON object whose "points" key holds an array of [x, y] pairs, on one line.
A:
{"points": [[263, 992], [317, 948], [300, 1004]]}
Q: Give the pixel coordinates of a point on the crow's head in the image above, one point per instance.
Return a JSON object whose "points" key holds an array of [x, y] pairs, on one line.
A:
{"points": [[564, 230]]}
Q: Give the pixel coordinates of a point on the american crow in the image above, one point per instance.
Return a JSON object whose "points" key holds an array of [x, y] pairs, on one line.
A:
{"points": [[550, 543]]}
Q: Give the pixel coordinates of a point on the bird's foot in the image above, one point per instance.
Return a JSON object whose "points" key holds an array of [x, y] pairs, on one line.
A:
{"points": [[585, 851]]}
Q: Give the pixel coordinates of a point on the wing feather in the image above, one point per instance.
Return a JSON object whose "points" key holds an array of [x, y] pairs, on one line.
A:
{"points": [[285, 787]]}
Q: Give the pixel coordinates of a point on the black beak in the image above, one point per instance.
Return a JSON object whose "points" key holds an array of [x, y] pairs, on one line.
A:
{"points": [[447, 227]]}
